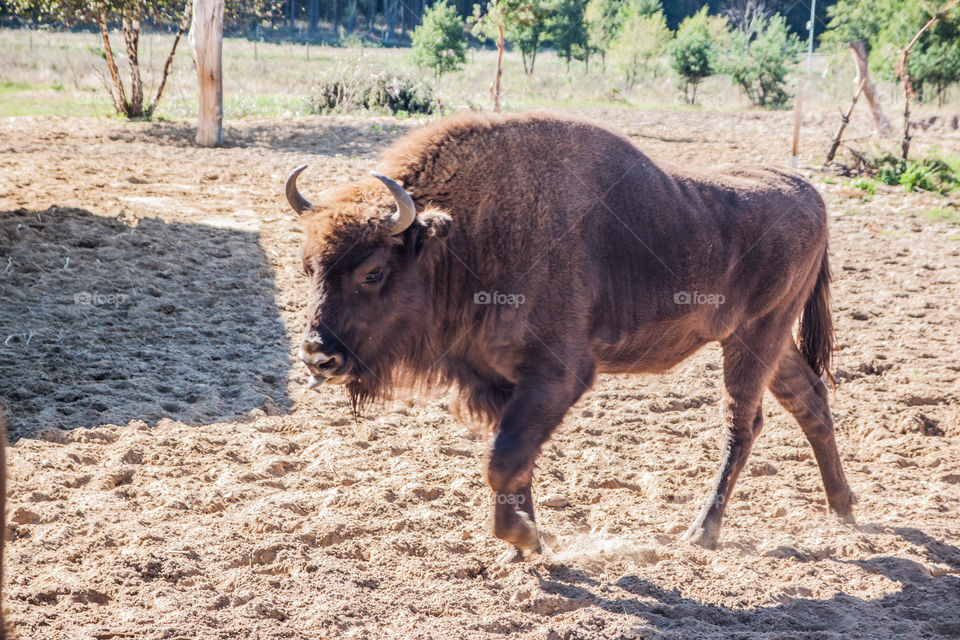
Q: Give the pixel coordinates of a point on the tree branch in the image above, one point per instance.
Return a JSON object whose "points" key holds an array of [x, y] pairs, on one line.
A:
{"points": [[901, 68], [117, 93], [184, 23]]}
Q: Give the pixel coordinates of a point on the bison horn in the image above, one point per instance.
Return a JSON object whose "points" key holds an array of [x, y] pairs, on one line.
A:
{"points": [[406, 211], [297, 201]]}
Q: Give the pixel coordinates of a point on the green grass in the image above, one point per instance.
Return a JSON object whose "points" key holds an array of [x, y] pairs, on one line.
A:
{"points": [[13, 87], [45, 72], [950, 215]]}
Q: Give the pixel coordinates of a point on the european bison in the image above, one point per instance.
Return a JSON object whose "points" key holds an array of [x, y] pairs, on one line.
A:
{"points": [[524, 254]]}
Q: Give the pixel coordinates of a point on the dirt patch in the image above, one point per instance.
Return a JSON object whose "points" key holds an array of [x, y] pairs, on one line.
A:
{"points": [[138, 513]]}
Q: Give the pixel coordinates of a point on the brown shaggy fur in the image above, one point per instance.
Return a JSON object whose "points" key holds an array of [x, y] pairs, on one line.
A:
{"points": [[625, 265]]}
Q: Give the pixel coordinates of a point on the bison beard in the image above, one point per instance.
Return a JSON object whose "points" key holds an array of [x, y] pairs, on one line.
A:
{"points": [[625, 265]]}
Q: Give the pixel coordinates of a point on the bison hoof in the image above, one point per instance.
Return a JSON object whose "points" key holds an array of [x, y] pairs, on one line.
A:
{"points": [[842, 507], [699, 535], [511, 555], [520, 531], [516, 554]]}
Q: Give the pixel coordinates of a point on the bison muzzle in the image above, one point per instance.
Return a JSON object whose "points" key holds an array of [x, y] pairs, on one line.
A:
{"points": [[516, 257]]}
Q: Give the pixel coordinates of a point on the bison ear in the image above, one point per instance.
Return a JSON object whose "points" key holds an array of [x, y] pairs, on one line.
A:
{"points": [[436, 223]]}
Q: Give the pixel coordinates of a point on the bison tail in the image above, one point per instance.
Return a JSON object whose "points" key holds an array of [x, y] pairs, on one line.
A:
{"points": [[816, 324]]}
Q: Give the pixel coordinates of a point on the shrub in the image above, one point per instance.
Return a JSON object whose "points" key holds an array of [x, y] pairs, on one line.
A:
{"points": [[759, 65], [566, 28], [692, 53], [929, 174], [524, 25], [602, 18], [349, 90], [439, 43], [642, 37]]}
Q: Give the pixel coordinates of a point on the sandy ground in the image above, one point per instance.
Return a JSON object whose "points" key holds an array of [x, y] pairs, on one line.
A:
{"points": [[169, 479]]}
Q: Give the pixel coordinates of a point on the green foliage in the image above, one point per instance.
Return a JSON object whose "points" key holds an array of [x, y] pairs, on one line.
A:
{"points": [[567, 29], [692, 53], [643, 35], [439, 43], [933, 173], [73, 12], [348, 89], [759, 65], [602, 18], [865, 184], [944, 214], [131, 101], [604, 21], [524, 25], [886, 26]]}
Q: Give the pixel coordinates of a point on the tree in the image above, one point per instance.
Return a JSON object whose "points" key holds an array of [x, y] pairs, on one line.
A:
{"points": [[566, 28], [642, 37], [129, 13], [886, 26], [522, 22], [692, 53], [439, 43], [758, 63], [602, 18], [604, 21]]}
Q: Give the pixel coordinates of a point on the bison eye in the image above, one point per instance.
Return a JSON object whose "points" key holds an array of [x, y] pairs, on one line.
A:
{"points": [[373, 277]]}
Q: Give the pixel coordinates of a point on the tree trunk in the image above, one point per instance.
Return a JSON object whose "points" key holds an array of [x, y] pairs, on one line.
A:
{"points": [[392, 21], [314, 15], [206, 39], [859, 53], [352, 21], [131, 36], [117, 93], [336, 17], [495, 88]]}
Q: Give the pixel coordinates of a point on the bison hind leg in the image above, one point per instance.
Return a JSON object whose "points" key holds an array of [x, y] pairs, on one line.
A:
{"points": [[802, 393]]}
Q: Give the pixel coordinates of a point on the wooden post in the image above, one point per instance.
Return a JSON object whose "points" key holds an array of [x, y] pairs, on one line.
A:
{"points": [[798, 114], [206, 40], [859, 53]]}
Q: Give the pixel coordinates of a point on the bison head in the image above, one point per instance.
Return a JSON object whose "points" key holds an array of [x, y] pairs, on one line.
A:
{"points": [[370, 258]]}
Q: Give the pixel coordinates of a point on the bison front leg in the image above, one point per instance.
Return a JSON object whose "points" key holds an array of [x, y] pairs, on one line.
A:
{"points": [[514, 521], [748, 365], [534, 410]]}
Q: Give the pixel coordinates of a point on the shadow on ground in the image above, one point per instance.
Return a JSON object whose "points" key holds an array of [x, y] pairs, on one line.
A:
{"points": [[102, 322], [927, 605]]}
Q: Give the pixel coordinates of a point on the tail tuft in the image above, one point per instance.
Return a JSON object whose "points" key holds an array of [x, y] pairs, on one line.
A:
{"points": [[816, 324]]}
